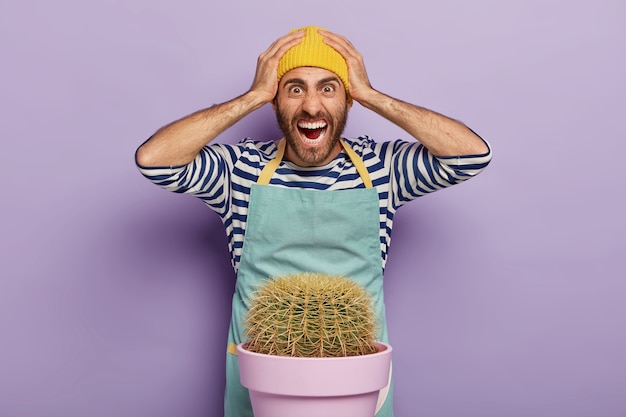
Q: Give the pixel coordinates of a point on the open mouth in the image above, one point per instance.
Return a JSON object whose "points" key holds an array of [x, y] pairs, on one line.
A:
{"points": [[312, 132]]}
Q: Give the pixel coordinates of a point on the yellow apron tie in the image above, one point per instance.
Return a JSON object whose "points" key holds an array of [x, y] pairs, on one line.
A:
{"points": [[232, 348], [270, 168]]}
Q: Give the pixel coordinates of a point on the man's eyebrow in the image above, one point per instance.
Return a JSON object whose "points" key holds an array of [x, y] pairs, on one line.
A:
{"points": [[328, 80], [300, 81]]}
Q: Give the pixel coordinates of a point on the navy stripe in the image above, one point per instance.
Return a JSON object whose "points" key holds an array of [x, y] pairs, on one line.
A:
{"points": [[222, 175]]}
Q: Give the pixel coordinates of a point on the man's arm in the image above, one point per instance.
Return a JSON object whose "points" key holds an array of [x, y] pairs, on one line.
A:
{"points": [[441, 135], [179, 142]]}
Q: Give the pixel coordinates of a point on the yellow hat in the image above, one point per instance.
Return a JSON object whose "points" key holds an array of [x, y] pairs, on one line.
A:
{"points": [[312, 51]]}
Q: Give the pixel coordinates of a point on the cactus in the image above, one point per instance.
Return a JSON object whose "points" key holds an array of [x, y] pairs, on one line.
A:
{"points": [[311, 315]]}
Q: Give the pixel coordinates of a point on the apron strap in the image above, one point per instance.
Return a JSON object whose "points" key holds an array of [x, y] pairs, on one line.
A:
{"points": [[358, 164], [270, 168]]}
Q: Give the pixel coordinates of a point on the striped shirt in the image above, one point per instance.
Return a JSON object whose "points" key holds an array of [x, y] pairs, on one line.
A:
{"points": [[221, 175]]}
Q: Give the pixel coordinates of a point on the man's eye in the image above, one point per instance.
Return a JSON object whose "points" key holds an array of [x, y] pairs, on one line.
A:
{"points": [[328, 89], [296, 90]]}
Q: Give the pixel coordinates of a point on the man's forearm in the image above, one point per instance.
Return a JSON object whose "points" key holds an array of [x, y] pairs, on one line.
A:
{"points": [[442, 135], [179, 142]]}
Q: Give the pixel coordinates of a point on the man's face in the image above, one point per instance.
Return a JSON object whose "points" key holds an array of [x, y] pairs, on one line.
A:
{"points": [[312, 110]]}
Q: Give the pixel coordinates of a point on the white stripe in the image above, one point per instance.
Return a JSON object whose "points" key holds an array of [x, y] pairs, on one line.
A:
{"points": [[370, 151]]}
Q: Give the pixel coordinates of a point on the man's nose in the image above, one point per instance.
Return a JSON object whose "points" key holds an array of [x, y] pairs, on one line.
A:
{"points": [[312, 103]]}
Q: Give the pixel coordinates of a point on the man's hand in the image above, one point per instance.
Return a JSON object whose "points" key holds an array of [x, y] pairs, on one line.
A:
{"points": [[179, 142], [265, 80], [360, 88], [442, 135]]}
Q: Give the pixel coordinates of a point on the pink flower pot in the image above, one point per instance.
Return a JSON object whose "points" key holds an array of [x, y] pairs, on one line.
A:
{"points": [[283, 386]]}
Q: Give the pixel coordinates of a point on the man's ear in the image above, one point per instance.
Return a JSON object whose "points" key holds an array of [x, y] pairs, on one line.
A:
{"points": [[275, 102]]}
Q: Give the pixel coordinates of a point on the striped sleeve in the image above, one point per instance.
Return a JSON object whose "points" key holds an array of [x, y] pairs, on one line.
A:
{"points": [[222, 175], [204, 177], [416, 172]]}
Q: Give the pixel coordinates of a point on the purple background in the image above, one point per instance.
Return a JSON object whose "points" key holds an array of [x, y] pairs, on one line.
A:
{"points": [[505, 294]]}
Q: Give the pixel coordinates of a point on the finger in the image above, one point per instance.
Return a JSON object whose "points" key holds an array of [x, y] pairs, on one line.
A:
{"points": [[353, 57], [283, 44], [267, 63], [358, 77], [338, 42], [332, 35]]}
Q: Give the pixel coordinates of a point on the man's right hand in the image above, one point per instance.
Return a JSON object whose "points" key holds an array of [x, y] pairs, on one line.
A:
{"points": [[179, 142], [266, 78]]}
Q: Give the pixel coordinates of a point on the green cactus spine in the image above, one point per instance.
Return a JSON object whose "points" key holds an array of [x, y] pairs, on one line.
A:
{"points": [[311, 315]]}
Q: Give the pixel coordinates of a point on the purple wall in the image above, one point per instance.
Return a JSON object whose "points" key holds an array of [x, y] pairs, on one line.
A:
{"points": [[505, 294]]}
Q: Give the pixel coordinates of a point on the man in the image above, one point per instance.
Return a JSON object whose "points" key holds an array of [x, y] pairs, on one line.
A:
{"points": [[313, 201]]}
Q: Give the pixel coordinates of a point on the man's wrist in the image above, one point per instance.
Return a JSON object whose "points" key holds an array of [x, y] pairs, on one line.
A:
{"points": [[256, 99]]}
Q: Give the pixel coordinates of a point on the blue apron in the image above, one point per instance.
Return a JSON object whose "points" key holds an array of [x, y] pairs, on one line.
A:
{"points": [[294, 230]]}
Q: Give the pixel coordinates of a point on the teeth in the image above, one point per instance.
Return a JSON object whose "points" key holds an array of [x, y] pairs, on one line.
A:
{"points": [[312, 125]]}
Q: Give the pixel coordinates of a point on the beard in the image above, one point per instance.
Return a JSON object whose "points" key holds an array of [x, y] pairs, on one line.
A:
{"points": [[318, 155]]}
